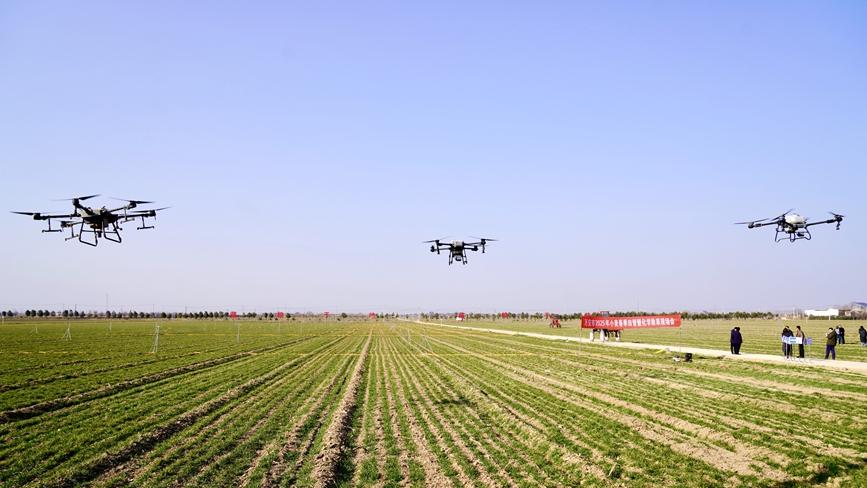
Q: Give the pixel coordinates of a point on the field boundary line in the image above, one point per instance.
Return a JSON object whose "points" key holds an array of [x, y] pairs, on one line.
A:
{"points": [[854, 366]]}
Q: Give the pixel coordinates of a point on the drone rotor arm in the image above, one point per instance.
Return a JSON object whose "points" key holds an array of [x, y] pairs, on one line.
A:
{"points": [[829, 221], [760, 223]]}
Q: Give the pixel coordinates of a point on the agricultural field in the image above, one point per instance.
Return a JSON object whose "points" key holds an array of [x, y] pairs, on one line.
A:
{"points": [[268, 403], [760, 336]]}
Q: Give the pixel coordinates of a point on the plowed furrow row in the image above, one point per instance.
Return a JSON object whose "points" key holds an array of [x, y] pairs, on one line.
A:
{"points": [[541, 434], [474, 430], [683, 405], [530, 426], [194, 448], [146, 442], [365, 441], [549, 399], [438, 468], [324, 471], [48, 406]]}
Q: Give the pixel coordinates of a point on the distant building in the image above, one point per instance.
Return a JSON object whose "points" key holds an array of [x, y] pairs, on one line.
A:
{"points": [[831, 312], [855, 309]]}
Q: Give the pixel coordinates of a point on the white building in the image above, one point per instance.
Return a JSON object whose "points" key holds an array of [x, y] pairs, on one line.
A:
{"points": [[831, 312]]}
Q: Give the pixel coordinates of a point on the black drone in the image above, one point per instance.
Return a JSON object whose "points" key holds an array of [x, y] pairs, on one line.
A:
{"points": [[458, 249], [792, 226], [98, 222]]}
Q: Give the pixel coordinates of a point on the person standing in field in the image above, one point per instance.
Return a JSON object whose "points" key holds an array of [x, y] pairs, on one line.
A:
{"points": [[787, 348], [862, 335], [831, 344], [736, 340], [801, 338], [841, 335]]}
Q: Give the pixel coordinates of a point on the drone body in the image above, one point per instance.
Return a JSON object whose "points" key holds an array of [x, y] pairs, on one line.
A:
{"points": [[458, 249], [791, 226], [97, 222]]}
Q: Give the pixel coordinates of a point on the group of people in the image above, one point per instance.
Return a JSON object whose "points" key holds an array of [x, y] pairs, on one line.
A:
{"points": [[800, 339], [834, 337], [604, 334]]}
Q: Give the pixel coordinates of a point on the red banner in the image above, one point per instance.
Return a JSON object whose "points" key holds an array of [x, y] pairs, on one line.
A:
{"points": [[620, 323], [233, 315]]}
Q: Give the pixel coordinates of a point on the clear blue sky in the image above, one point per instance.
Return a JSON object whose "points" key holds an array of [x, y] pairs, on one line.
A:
{"points": [[307, 149]]}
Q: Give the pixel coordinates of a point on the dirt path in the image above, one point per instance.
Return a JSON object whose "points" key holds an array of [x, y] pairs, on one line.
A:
{"points": [[854, 366]]}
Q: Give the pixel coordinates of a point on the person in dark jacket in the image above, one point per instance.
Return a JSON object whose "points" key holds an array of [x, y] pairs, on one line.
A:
{"points": [[841, 335], [862, 335], [787, 347], [736, 340], [831, 343]]}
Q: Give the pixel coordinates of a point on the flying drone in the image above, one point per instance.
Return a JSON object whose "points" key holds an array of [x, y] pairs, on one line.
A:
{"points": [[792, 226], [458, 249], [96, 222]]}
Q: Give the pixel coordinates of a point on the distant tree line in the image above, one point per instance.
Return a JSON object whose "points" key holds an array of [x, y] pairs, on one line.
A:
{"points": [[133, 314], [577, 315]]}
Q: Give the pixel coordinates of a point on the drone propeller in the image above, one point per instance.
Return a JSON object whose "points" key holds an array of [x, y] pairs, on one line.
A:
{"points": [[143, 213], [88, 197], [838, 218], [134, 202], [752, 223], [484, 240], [26, 213], [435, 240]]}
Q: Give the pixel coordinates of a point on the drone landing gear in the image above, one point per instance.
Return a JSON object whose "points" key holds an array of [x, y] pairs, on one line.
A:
{"points": [[49, 229], [793, 236], [461, 258], [143, 226], [80, 235], [115, 231]]}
